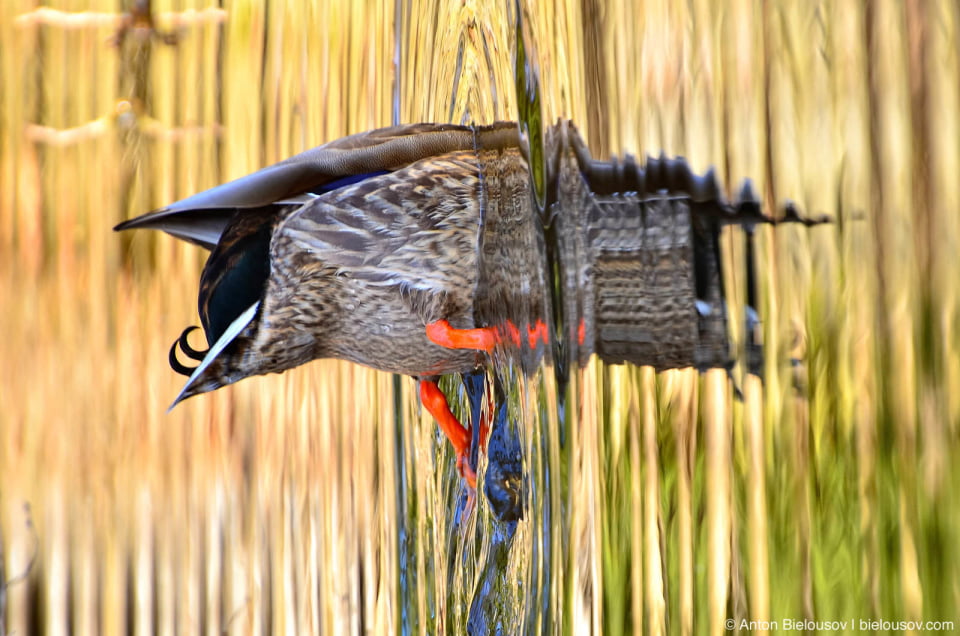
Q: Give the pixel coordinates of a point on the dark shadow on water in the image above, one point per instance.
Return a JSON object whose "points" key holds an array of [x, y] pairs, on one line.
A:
{"points": [[503, 482], [503, 486]]}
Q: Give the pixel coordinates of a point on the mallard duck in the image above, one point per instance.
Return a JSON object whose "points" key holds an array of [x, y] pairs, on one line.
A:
{"points": [[419, 249], [365, 249]]}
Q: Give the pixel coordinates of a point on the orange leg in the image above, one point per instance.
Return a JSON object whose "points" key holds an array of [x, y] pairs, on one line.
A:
{"points": [[481, 339], [436, 403]]}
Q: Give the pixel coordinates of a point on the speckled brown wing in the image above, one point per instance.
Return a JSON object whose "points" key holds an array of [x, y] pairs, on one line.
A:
{"points": [[415, 229]]}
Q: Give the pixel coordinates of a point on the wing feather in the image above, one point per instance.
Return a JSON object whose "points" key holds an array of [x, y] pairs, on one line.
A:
{"points": [[202, 217], [417, 227]]}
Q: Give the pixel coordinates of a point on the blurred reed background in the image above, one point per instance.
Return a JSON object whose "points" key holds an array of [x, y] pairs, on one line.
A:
{"points": [[323, 500]]}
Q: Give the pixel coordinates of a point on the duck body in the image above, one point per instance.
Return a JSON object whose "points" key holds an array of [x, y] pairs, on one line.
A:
{"points": [[346, 251], [353, 249]]}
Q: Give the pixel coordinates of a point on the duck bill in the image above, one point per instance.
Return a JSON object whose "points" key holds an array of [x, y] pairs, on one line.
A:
{"points": [[206, 376]]}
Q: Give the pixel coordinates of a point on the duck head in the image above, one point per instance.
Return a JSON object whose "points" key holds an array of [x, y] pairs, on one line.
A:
{"points": [[232, 287]]}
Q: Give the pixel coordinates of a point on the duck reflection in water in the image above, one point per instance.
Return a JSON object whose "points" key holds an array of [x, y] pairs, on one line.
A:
{"points": [[420, 250]]}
